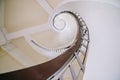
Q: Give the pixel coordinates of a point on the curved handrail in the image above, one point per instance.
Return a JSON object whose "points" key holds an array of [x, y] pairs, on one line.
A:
{"points": [[83, 31], [60, 49], [50, 69]]}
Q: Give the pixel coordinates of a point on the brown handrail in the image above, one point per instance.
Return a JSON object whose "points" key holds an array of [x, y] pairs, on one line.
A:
{"points": [[44, 70]]}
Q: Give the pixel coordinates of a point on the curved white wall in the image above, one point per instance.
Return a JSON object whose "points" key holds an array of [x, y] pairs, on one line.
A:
{"points": [[103, 21], [104, 53], [113, 2]]}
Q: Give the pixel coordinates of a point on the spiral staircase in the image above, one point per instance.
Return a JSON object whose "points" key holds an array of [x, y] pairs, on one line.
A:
{"points": [[50, 39]]}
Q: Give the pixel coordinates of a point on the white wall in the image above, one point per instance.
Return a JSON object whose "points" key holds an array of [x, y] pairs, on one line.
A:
{"points": [[104, 53], [113, 2], [103, 21]]}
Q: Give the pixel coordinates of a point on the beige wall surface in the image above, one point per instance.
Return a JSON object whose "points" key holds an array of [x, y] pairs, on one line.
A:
{"points": [[28, 51], [47, 38], [20, 14], [7, 63]]}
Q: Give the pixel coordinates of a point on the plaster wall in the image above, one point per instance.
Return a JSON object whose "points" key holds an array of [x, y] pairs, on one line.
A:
{"points": [[22, 14], [102, 20]]}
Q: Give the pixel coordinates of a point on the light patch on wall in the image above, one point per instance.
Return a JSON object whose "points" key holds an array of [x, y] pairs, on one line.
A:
{"points": [[2, 52], [47, 38], [54, 3], [28, 51], [8, 63], [21, 14]]}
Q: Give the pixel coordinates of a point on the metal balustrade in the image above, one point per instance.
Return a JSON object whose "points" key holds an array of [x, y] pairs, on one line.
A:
{"points": [[56, 68], [84, 31]]}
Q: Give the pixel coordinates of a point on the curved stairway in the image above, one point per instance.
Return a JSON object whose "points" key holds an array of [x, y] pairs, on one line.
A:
{"points": [[55, 68]]}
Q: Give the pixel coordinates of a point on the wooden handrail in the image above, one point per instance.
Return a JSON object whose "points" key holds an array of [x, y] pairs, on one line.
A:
{"points": [[44, 70]]}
